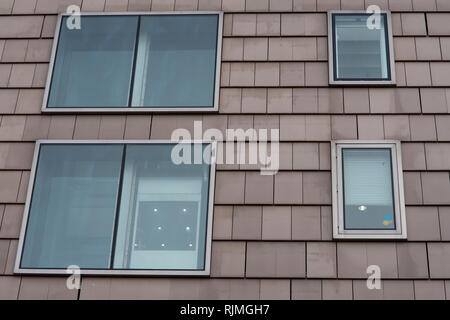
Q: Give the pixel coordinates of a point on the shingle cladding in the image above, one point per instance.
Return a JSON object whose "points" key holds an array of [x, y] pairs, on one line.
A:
{"points": [[272, 236]]}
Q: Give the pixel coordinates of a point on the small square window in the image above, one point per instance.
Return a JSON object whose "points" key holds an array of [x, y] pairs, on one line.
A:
{"points": [[368, 199], [118, 207], [360, 48], [135, 62]]}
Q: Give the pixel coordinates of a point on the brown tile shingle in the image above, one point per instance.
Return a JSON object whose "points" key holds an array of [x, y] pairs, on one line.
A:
{"points": [[439, 259], [21, 75], [423, 5], [242, 74], [292, 74], [438, 23], [330, 100], [256, 5], [288, 188], [247, 222], [137, 127], [316, 188], [305, 156], [413, 24], [354, 258], [228, 259], [272, 289], [412, 260], [337, 290], [20, 26], [279, 100], [397, 127], [418, 74], [306, 289], [413, 188], [434, 100], [343, 127], [223, 222], [45, 288], [316, 74], [436, 187], [254, 100], [112, 127], [423, 128], [429, 289], [356, 100], [229, 187], [276, 223], [404, 48], [29, 101], [232, 49], [140, 5], [413, 156], [437, 156], [267, 74], [321, 260], [444, 222], [306, 223], [12, 220], [304, 5], [244, 24], [61, 127], [428, 48], [14, 50], [255, 49], [370, 127], [442, 125], [258, 188], [388, 100], [439, 73], [268, 24], [8, 98], [17, 156], [304, 100], [9, 287], [275, 259]]}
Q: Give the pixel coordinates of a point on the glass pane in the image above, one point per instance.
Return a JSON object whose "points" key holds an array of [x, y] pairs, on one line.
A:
{"points": [[361, 53], [368, 191], [93, 64], [73, 206], [176, 60], [163, 211]]}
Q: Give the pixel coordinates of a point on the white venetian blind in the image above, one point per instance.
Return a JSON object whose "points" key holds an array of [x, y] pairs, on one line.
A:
{"points": [[367, 176]]}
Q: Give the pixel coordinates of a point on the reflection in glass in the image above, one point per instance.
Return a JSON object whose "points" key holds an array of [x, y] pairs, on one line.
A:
{"points": [[163, 211], [368, 189], [360, 52], [73, 206], [93, 64], [176, 59]]}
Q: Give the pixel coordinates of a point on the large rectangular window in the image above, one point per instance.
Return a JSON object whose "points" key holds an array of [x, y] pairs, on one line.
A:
{"points": [[367, 190], [135, 62], [360, 48], [120, 207]]}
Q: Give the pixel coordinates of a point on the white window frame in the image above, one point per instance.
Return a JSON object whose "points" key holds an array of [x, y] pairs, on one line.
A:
{"points": [[120, 272], [337, 190], [331, 51], [130, 109]]}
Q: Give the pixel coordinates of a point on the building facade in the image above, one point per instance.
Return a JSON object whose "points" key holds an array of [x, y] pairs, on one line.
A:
{"points": [[266, 236]]}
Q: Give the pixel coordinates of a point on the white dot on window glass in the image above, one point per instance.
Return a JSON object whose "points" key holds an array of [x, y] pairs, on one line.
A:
{"points": [[156, 210], [163, 245], [188, 228], [190, 244], [159, 228]]}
